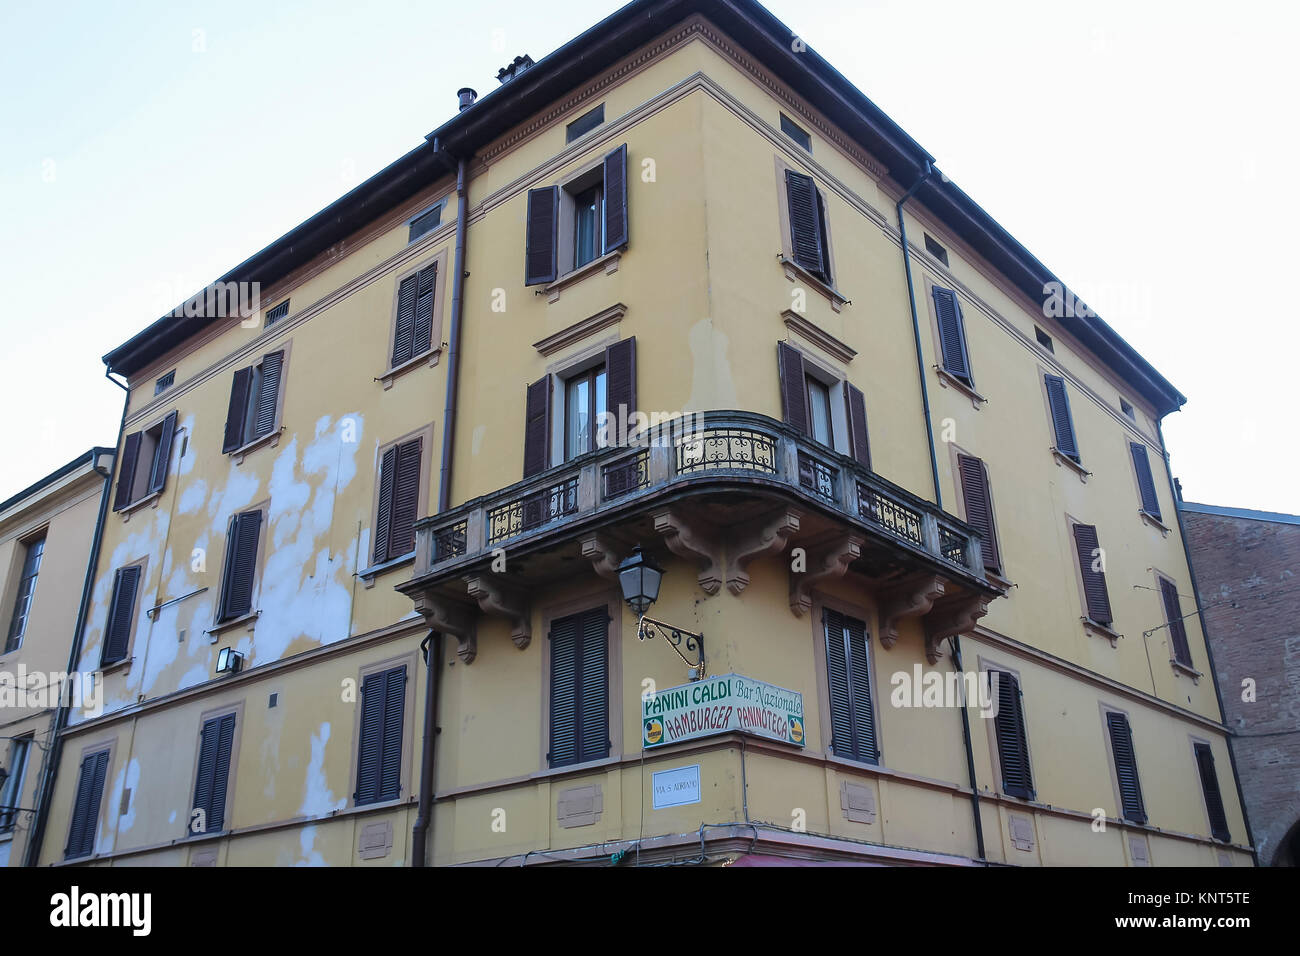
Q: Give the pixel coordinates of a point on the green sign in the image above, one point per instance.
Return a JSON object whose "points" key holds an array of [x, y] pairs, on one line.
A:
{"points": [[719, 705]]}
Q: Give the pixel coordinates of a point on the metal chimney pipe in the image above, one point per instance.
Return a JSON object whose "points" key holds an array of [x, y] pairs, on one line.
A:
{"points": [[467, 97]]}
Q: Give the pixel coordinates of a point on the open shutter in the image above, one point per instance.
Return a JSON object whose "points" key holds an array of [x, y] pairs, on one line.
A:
{"points": [[384, 518], [238, 410], [952, 334], [593, 685], [406, 499], [404, 328], [794, 390], [422, 333], [126, 474], [537, 427], [1013, 748], [616, 229], [1094, 578], [85, 806], [269, 393], [370, 745], [117, 636], [620, 371], [979, 508], [390, 751], [564, 640], [540, 235], [805, 210], [162, 455], [1130, 791], [1210, 787], [1177, 629], [1146, 484], [1062, 423], [857, 415], [241, 564]]}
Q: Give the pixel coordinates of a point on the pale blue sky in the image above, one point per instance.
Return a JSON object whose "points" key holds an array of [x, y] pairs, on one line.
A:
{"points": [[1142, 150]]}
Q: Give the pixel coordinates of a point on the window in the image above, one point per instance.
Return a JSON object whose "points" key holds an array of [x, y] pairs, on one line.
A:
{"points": [[853, 720], [425, 222], [586, 396], [1013, 746], [1127, 409], [1062, 423], [11, 794], [399, 499], [979, 508], [379, 748], [584, 123], [1174, 618], [146, 456], [579, 707], [276, 314], [952, 335], [413, 331], [85, 806], [1121, 747], [819, 408], [254, 402], [1044, 339], [1146, 484], [1210, 790], [164, 383], [1092, 567], [796, 133], [936, 250], [213, 775], [121, 615], [240, 567], [571, 225], [822, 407], [34, 548], [809, 240]]}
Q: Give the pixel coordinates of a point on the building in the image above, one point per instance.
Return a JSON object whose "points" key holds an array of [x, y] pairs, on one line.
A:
{"points": [[47, 535], [1245, 564], [869, 460]]}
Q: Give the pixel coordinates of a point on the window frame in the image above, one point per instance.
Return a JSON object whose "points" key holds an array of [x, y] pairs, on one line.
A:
{"points": [[425, 434], [219, 623], [955, 454], [440, 206], [935, 249], [11, 795], [794, 271], [164, 382], [803, 140], [1107, 630], [143, 564], [433, 354], [590, 174], [1116, 792], [17, 576], [221, 710], [272, 437], [1193, 742], [404, 792], [571, 135], [1186, 666], [613, 604], [822, 602], [985, 665], [109, 746], [272, 318], [949, 379]]}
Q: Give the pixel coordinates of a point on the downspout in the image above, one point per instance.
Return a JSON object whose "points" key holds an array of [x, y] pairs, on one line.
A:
{"points": [[970, 759], [1205, 633], [431, 648], [916, 330], [50, 766]]}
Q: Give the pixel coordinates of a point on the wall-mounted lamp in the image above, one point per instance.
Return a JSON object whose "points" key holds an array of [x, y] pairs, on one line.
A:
{"points": [[640, 577], [229, 660]]}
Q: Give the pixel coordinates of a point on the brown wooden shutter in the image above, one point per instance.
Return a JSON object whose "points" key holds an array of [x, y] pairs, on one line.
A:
{"points": [[952, 334], [126, 474], [422, 333], [162, 454], [540, 235], [241, 564], [238, 410], [1177, 629], [794, 390], [269, 393], [616, 225], [379, 747], [579, 711], [213, 777], [1062, 422], [537, 427], [1094, 581], [404, 328], [406, 499], [117, 633], [1210, 788], [1013, 747], [564, 692], [384, 516], [979, 508], [857, 415], [620, 387], [85, 806], [853, 722], [1121, 745], [805, 208], [1146, 484]]}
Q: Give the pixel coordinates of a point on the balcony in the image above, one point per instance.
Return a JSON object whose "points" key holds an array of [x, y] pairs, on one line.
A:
{"points": [[718, 489]]}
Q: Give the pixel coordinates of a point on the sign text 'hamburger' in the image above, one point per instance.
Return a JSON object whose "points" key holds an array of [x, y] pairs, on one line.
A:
{"points": [[719, 705]]}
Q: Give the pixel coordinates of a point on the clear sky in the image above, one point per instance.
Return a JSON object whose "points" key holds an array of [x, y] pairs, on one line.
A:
{"points": [[1141, 149]]}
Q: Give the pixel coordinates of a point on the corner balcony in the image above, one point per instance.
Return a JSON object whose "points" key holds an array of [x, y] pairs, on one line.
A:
{"points": [[718, 489]]}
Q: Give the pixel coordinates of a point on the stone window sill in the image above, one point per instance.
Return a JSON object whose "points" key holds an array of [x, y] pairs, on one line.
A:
{"points": [[1064, 459], [216, 630], [271, 438], [123, 665], [150, 499], [1181, 668], [998, 580], [430, 357], [948, 380], [1155, 522], [797, 273], [608, 263], [1104, 630], [368, 575]]}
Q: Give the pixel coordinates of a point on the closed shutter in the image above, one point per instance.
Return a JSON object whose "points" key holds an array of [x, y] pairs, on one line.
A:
{"points": [[979, 508], [85, 806], [390, 755], [579, 688], [422, 334], [620, 371], [616, 226], [564, 692], [1062, 423], [1013, 747], [539, 254], [379, 754], [853, 727], [537, 427], [404, 328], [126, 474], [1146, 484], [952, 334], [384, 516], [213, 778], [1210, 787], [162, 454], [806, 233], [857, 415], [1094, 578], [117, 637], [406, 499], [1174, 615], [794, 391], [1130, 791], [241, 564], [269, 393], [238, 410]]}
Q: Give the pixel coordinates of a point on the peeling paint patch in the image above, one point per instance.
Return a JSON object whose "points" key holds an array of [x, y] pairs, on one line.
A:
{"points": [[318, 799], [307, 838], [192, 497]]}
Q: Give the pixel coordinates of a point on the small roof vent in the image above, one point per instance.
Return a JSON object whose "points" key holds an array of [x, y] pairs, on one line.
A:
{"points": [[514, 68]]}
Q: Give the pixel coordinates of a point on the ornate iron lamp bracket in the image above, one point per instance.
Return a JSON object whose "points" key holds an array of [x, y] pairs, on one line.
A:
{"points": [[648, 627]]}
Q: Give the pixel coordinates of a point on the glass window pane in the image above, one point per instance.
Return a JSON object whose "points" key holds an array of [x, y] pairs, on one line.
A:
{"points": [[819, 399], [602, 405], [577, 416], [586, 232]]}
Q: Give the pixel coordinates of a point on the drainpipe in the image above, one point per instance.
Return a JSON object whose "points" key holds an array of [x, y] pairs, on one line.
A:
{"points": [[50, 766], [970, 759], [1209, 652], [431, 648]]}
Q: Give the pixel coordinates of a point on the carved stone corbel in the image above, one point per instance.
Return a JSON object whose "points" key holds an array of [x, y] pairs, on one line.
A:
{"points": [[830, 561], [770, 537], [496, 597], [955, 615], [912, 597], [451, 617], [603, 553], [689, 539]]}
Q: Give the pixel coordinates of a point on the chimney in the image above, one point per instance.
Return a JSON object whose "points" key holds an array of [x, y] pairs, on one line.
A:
{"points": [[467, 97], [514, 68]]}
